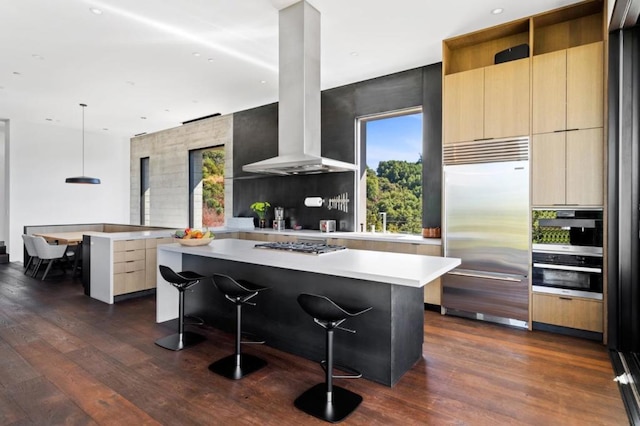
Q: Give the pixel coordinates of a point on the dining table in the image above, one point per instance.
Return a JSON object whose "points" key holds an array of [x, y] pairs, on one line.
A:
{"points": [[71, 239]]}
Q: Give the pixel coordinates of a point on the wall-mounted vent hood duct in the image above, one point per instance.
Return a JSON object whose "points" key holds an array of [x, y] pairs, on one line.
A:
{"points": [[299, 103]]}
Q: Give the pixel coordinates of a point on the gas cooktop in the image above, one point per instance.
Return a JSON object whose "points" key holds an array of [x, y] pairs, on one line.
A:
{"points": [[301, 247]]}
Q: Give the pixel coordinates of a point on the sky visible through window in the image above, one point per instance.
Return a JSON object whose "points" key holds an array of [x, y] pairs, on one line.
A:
{"points": [[394, 138]]}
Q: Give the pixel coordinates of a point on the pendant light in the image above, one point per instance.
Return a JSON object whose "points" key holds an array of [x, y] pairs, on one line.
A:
{"points": [[83, 178]]}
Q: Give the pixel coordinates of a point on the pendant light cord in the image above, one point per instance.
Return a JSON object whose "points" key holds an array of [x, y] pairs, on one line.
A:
{"points": [[83, 107]]}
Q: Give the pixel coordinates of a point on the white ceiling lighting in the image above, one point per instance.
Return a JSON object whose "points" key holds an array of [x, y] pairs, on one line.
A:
{"points": [[497, 11], [96, 11]]}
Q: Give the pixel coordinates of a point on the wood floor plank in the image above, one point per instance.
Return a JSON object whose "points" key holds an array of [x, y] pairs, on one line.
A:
{"points": [[68, 359]]}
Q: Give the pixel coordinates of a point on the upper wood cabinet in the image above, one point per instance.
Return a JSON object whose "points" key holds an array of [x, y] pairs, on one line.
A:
{"points": [[568, 89], [463, 109], [585, 86], [487, 103], [506, 99]]}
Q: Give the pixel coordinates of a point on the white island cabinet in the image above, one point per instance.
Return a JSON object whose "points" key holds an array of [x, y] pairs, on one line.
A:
{"points": [[389, 338]]}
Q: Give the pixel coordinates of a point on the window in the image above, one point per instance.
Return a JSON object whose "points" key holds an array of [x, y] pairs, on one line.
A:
{"points": [[145, 192], [206, 187], [392, 184]]}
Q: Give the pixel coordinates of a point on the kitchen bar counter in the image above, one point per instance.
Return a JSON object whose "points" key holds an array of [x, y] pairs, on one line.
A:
{"points": [[314, 234], [389, 338]]}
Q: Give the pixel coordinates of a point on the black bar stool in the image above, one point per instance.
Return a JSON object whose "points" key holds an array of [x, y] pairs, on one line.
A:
{"points": [[181, 281], [325, 401], [238, 365]]}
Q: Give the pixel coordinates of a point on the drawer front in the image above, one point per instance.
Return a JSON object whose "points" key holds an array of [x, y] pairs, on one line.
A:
{"points": [[119, 284], [119, 246], [583, 314], [124, 245], [118, 256], [128, 282], [134, 244], [134, 265], [134, 255]]}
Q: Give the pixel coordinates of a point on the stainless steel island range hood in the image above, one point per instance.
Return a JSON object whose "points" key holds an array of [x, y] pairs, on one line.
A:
{"points": [[299, 103]]}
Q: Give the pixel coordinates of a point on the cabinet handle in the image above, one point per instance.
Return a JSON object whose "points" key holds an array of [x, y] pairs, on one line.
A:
{"points": [[565, 298], [482, 139], [572, 130]]}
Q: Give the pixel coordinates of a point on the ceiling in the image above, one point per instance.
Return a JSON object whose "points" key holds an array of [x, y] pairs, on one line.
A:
{"points": [[147, 65]]}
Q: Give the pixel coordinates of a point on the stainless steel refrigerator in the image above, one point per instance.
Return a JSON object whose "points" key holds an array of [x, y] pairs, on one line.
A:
{"points": [[487, 225]]}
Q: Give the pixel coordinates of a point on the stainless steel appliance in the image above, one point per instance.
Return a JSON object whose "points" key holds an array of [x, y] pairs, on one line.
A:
{"points": [[567, 252], [327, 225], [486, 224], [306, 247], [278, 222]]}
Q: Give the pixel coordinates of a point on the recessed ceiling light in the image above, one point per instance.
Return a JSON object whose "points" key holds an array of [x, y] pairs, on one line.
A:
{"points": [[166, 110], [105, 128], [36, 56], [131, 83], [263, 81], [354, 53], [49, 119], [497, 11], [96, 11], [143, 118], [210, 59], [195, 102], [16, 73], [196, 54]]}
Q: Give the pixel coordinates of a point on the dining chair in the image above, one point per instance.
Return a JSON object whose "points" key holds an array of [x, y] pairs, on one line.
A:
{"points": [[47, 252], [31, 252]]}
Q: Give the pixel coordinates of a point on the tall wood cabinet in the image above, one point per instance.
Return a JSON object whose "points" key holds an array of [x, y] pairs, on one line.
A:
{"points": [[556, 95]]}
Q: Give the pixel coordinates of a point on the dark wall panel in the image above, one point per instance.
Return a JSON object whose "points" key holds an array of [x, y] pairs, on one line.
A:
{"points": [[255, 137], [256, 134], [432, 146], [389, 93]]}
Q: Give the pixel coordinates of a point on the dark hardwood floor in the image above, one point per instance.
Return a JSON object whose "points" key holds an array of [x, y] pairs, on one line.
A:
{"points": [[68, 359]]}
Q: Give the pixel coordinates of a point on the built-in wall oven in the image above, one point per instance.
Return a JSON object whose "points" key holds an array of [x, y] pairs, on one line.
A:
{"points": [[567, 252]]}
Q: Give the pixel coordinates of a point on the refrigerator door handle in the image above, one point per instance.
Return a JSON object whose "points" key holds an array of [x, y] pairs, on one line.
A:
{"points": [[487, 276]]}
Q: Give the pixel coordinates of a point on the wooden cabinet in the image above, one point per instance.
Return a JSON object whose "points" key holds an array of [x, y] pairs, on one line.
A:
{"points": [[128, 266], [573, 312], [487, 103], [463, 110], [506, 99], [573, 98], [151, 260], [585, 86], [567, 168]]}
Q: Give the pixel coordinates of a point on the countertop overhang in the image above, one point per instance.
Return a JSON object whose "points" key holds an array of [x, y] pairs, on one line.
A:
{"points": [[410, 270]]}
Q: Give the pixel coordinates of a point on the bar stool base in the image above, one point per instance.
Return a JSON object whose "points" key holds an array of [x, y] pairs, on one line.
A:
{"points": [[173, 342], [314, 402], [227, 367]]}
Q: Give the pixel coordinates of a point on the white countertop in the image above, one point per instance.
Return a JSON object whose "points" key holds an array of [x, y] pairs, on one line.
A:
{"points": [[132, 235], [411, 270], [370, 236]]}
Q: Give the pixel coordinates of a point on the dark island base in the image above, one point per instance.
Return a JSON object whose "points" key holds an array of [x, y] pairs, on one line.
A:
{"points": [[388, 339]]}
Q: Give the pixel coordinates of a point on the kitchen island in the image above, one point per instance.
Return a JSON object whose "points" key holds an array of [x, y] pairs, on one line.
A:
{"points": [[389, 338]]}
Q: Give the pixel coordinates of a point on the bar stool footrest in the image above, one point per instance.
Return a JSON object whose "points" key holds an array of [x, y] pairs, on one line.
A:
{"points": [[314, 402], [173, 342], [229, 368], [352, 372], [193, 320]]}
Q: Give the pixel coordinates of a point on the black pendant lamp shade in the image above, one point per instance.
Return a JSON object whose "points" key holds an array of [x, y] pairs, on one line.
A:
{"points": [[83, 178]]}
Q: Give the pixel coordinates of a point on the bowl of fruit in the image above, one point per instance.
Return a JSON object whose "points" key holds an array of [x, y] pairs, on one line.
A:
{"points": [[193, 237]]}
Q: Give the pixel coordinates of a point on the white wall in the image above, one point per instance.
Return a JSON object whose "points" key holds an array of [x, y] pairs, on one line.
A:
{"points": [[4, 180], [42, 156]]}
